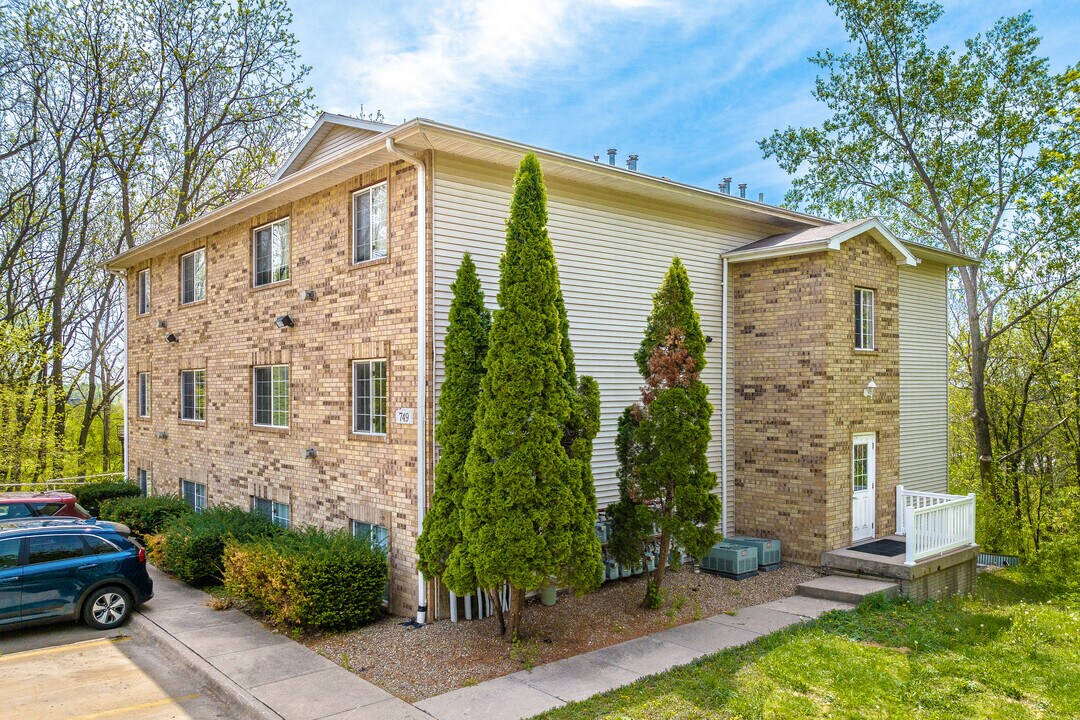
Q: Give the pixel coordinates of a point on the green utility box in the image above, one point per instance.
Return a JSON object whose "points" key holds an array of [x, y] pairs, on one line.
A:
{"points": [[731, 560], [768, 551]]}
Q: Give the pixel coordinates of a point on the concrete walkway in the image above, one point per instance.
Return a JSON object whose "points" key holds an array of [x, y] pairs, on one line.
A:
{"points": [[268, 674], [271, 676], [529, 692]]}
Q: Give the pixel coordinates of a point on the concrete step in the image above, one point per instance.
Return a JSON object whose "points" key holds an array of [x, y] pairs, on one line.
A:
{"points": [[845, 589]]}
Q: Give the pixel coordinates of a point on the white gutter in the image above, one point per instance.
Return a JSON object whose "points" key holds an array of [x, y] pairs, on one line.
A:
{"points": [[724, 402], [122, 276], [421, 360]]}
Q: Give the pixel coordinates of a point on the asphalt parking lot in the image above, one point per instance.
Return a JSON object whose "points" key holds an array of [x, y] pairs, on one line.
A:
{"points": [[70, 672]]}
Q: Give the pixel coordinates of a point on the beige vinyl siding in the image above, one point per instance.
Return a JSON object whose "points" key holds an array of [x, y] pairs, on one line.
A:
{"points": [[613, 251], [338, 141], [924, 389]]}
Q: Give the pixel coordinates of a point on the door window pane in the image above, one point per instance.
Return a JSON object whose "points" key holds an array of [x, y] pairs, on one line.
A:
{"points": [[860, 470], [97, 546], [9, 553], [9, 511]]}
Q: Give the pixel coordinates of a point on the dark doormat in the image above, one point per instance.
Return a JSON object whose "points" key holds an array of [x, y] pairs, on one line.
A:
{"points": [[885, 548]]}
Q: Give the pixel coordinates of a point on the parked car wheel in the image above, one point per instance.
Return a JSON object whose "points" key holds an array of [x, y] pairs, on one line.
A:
{"points": [[107, 608]]}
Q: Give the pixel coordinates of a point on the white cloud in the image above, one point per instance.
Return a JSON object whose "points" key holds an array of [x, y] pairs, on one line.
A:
{"points": [[457, 50]]}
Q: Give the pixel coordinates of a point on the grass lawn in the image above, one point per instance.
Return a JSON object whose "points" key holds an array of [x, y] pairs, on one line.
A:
{"points": [[1011, 651]]}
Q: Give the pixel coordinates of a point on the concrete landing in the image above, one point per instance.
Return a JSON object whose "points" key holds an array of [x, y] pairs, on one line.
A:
{"points": [[839, 588]]}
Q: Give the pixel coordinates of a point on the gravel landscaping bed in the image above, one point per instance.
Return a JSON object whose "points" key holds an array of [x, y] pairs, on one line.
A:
{"points": [[419, 663]]}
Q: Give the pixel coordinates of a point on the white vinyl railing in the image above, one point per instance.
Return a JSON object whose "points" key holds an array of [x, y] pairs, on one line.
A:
{"points": [[60, 483], [934, 523]]}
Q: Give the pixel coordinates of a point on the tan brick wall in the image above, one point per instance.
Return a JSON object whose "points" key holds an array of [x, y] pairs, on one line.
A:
{"points": [[798, 385], [366, 311]]}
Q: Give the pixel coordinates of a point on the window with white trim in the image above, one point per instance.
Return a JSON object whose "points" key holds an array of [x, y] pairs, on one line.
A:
{"points": [[864, 319], [275, 512], [369, 223], [369, 397], [193, 395], [377, 537], [194, 494], [143, 288], [193, 277], [271, 251], [143, 394], [271, 395]]}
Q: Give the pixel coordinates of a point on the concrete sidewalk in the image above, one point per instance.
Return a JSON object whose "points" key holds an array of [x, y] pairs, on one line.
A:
{"points": [[269, 674], [529, 692], [273, 677]]}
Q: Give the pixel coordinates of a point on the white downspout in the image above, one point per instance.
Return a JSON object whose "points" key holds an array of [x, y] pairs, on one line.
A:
{"points": [[122, 276], [724, 402], [421, 360]]}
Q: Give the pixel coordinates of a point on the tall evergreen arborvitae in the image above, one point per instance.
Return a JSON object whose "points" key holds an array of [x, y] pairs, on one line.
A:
{"points": [[523, 516], [664, 476], [440, 549]]}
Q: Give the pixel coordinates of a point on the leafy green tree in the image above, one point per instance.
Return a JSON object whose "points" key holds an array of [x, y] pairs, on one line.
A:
{"points": [[441, 549], [664, 476], [524, 504], [970, 151]]}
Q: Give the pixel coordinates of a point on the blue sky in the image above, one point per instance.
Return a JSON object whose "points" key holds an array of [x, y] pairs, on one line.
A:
{"points": [[689, 86]]}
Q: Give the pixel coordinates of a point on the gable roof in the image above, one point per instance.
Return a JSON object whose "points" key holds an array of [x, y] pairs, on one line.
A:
{"points": [[825, 237], [319, 131]]}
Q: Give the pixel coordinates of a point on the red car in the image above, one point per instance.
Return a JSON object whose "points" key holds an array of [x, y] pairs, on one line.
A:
{"points": [[53, 503]]}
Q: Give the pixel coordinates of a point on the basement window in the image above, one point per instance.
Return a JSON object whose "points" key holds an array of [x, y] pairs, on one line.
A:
{"points": [[275, 512], [271, 248], [864, 319], [194, 494], [369, 224]]}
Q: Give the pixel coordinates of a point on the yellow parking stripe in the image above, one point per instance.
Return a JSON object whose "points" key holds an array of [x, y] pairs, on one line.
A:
{"points": [[74, 647], [133, 708]]}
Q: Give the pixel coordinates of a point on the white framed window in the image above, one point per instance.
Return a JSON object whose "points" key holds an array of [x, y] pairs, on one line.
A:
{"points": [[864, 319], [143, 394], [369, 397], [275, 512], [369, 223], [193, 277], [270, 390], [142, 285], [194, 494], [379, 538], [193, 395], [270, 247]]}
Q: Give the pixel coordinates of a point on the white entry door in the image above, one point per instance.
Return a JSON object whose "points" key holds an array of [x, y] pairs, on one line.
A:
{"points": [[863, 473]]}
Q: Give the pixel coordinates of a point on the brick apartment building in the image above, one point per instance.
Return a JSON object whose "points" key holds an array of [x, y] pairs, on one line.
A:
{"points": [[284, 351]]}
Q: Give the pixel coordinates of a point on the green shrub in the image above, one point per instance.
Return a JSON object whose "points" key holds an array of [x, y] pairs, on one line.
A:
{"points": [[312, 579], [144, 515], [91, 496], [192, 545]]}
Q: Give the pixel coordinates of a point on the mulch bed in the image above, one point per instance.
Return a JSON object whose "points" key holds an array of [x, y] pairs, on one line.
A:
{"points": [[419, 663]]}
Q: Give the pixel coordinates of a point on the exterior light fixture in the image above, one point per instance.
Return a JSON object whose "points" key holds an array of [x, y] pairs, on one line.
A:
{"points": [[285, 321], [871, 386], [163, 435], [162, 324], [708, 338], [309, 295], [310, 454], [171, 338]]}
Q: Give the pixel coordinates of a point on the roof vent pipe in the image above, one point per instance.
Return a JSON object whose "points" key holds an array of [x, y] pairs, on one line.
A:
{"points": [[611, 156], [761, 198], [725, 187], [631, 162], [596, 158], [742, 190]]}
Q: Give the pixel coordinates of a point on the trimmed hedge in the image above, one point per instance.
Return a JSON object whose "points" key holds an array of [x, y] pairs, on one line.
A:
{"points": [[91, 496], [191, 546], [145, 515], [311, 579]]}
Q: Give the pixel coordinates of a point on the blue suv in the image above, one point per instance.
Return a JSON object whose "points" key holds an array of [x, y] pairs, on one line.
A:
{"points": [[64, 569]]}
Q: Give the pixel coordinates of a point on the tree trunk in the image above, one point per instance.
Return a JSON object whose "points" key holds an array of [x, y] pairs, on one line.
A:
{"points": [[494, 597], [656, 579], [517, 609], [980, 418]]}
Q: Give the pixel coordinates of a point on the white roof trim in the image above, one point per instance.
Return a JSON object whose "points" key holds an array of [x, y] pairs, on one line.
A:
{"points": [[873, 226], [308, 144]]}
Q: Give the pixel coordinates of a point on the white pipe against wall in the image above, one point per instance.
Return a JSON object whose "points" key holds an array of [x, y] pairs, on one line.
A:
{"points": [[122, 276], [421, 359], [724, 402], [453, 607]]}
